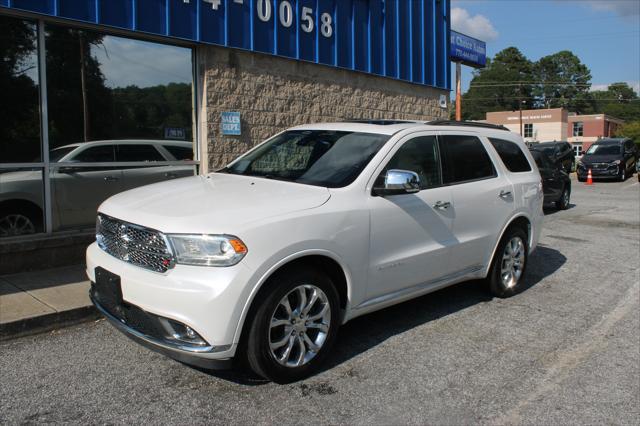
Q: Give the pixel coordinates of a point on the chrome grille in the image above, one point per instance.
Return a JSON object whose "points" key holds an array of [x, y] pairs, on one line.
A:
{"points": [[134, 244]]}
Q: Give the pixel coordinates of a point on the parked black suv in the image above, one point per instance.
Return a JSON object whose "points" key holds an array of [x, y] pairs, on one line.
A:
{"points": [[609, 158], [556, 183], [557, 152]]}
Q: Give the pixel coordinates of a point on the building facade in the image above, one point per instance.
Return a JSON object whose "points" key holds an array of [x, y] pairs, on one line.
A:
{"points": [[100, 96], [557, 124]]}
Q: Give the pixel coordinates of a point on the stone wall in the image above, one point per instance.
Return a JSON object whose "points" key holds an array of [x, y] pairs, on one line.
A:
{"points": [[273, 93]]}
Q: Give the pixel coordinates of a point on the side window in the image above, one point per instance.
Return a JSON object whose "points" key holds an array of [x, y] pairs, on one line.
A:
{"points": [[465, 159], [138, 153], [419, 155], [511, 155], [95, 154], [180, 153]]}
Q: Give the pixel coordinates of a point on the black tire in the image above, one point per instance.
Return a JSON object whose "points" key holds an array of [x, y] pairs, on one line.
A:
{"points": [[494, 279], [622, 176], [581, 179], [565, 197], [259, 355]]}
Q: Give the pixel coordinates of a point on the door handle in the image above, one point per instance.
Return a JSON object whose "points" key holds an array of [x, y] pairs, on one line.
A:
{"points": [[110, 179], [171, 175], [505, 194], [441, 206]]}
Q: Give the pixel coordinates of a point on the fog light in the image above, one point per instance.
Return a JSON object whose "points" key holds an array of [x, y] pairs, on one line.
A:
{"points": [[182, 333]]}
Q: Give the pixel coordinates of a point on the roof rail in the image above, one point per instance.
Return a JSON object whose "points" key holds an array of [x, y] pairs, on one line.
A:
{"points": [[467, 124], [384, 122]]}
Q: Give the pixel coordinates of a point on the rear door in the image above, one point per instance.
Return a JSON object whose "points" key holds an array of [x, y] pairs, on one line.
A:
{"points": [[482, 198], [146, 172]]}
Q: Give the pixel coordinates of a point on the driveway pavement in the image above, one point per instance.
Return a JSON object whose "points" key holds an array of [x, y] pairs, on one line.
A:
{"points": [[565, 351]]}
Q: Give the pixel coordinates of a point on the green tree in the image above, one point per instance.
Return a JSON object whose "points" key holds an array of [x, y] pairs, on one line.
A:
{"points": [[619, 100], [630, 130], [503, 85], [562, 80]]}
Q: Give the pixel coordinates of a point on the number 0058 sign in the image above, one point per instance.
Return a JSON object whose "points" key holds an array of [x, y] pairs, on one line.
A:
{"points": [[402, 39]]}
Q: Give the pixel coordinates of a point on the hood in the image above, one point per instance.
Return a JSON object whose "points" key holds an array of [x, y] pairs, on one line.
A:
{"points": [[214, 204], [595, 158]]}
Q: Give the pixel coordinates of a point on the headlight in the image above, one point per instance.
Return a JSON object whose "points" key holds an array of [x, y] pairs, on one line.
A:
{"points": [[207, 250], [616, 162]]}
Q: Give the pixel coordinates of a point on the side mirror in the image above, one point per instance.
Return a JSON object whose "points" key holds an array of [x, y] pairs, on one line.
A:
{"points": [[398, 182]]}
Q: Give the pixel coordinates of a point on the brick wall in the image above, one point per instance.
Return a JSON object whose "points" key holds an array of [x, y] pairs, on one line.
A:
{"points": [[273, 93]]}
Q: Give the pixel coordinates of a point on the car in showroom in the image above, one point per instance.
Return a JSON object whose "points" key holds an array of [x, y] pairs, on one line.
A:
{"points": [[559, 152], [556, 182], [613, 158], [265, 259], [82, 177]]}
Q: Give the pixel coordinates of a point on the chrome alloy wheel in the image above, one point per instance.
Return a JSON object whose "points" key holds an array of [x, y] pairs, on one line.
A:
{"points": [[16, 224], [565, 197], [299, 326], [512, 262]]}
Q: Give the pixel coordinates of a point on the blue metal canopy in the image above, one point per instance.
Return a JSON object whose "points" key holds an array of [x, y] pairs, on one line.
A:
{"points": [[401, 39]]}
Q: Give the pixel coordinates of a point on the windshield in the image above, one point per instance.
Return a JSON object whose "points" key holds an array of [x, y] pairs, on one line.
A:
{"points": [[56, 154], [315, 157], [605, 150]]}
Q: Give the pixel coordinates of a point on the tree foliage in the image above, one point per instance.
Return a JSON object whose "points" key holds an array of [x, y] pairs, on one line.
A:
{"points": [[630, 130], [510, 80]]}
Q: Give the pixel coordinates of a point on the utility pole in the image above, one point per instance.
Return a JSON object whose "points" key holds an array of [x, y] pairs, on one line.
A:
{"points": [[520, 107], [83, 83], [458, 92]]}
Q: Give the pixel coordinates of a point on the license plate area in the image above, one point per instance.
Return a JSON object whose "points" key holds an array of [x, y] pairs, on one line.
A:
{"points": [[108, 291]]}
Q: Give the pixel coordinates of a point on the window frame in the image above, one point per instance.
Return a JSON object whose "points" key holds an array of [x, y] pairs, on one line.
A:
{"points": [[396, 148], [484, 143], [581, 129], [528, 128], [491, 138]]}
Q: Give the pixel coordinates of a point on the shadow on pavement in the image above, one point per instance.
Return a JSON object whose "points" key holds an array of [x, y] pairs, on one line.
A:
{"points": [[368, 331]]}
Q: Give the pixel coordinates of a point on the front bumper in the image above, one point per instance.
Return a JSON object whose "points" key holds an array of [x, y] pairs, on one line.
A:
{"points": [[208, 300], [185, 354], [611, 172]]}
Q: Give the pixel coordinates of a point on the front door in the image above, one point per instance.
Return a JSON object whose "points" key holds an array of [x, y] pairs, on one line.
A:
{"points": [[411, 233]]}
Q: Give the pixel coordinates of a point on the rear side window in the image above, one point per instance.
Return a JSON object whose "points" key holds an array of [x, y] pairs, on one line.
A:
{"points": [[465, 159], [511, 155], [138, 153], [96, 154], [180, 153]]}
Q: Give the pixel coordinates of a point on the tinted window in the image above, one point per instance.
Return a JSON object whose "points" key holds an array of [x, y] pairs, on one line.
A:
{"points": [[314, 157], [511, 155], [541, 160], [179, 152], [419, 155], [56, 154], [95, 154], [138, 153], [465, 159]]}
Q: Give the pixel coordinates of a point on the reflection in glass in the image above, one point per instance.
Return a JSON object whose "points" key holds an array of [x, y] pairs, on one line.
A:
{"points": [[113, 99], [78, 188], [19, 99], [102, 87], [21, 202]]}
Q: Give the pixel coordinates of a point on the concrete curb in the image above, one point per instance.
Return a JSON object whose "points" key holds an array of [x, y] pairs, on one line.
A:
{"points": [[47, 322]]}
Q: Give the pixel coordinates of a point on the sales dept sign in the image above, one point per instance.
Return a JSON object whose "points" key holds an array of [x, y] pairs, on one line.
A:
{"points": [[231, 123]]}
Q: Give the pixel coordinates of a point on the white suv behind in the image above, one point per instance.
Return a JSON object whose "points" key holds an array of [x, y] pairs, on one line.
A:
{"points": [[266, 258]]}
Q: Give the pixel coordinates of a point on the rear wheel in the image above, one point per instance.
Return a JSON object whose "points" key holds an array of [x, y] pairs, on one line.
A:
{"points": [[294, 327], [563, 202], [509, 263]]}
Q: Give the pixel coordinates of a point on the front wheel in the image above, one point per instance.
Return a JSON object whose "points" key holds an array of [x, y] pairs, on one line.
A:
{"points": [[509, 263], [294, 327], [623, 174]]}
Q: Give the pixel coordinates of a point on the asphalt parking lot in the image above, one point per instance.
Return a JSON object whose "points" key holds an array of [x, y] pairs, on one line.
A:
{"points": [[564, 351]]}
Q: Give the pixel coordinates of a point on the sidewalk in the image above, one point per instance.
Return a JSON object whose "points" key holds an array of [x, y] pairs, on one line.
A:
{"points": [[33, 302]]}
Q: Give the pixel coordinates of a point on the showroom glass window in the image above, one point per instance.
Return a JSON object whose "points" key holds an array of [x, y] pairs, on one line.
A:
{"points": [[113, 100], [21, 185]]}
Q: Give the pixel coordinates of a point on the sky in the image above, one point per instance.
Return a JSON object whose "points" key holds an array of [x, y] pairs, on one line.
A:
{"points": [[604, 34]]}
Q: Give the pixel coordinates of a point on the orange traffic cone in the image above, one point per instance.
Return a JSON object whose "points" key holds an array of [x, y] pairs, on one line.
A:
{"points": [[589, 178]]}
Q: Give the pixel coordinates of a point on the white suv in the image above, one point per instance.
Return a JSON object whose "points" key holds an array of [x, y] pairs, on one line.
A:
{"points": [[266, 258]]}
